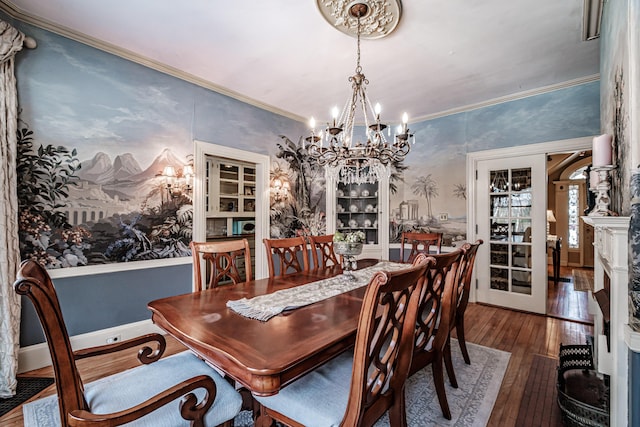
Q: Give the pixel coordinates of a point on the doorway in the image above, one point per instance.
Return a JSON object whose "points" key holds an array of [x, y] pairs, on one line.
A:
{"points": [[510, 209], [258, 202], [479, 209]]}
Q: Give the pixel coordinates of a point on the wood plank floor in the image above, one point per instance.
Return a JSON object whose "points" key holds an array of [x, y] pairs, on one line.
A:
{"points": [[522, 334], [566, 303]]}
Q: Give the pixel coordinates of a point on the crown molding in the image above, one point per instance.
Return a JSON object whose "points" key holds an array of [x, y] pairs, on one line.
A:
{"points": [[511, 97], [16, 13]]}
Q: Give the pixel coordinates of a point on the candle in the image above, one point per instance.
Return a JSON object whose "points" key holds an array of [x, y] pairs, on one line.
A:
{"points": [[602, 150], [594, 179], [334, 114]]}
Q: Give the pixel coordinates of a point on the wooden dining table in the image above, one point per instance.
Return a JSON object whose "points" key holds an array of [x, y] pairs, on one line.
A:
{"points": [[263, 356]]}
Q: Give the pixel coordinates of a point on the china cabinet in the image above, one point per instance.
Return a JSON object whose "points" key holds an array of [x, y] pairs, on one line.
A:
{"points": [[230, 188], [360, 207]]}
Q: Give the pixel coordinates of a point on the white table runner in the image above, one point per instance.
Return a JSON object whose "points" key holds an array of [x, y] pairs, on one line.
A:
{"points": [[264, 307]]}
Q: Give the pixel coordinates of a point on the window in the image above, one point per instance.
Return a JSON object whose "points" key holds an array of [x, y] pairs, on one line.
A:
{"points": [[574, 217]]}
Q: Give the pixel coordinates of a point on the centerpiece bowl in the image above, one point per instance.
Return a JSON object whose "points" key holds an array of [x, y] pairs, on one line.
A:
{"points": [[348, 247]]}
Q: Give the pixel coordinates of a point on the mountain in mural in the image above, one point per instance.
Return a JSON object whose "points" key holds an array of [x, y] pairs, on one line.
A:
{"points": [[165, 158], [123, 179], [125, 166], [98, 170]]}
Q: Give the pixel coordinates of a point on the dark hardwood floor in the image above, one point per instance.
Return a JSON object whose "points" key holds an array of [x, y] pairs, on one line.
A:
{"points": [[566, 303], [524, 335]]}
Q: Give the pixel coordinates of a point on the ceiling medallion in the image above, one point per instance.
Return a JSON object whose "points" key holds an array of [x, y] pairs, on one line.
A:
{"points": [[381, 18]]}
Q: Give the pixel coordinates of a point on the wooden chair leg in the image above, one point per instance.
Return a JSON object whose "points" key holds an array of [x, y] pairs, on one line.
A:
{"points": [[438, 380], [461, 340], [397, 412], [448, 363]]}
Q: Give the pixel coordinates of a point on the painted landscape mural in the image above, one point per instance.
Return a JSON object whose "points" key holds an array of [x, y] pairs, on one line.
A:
{"points": [[99, 210]]}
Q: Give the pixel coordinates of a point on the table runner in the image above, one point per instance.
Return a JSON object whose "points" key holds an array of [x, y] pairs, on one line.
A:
{"points": [[264, 307]]}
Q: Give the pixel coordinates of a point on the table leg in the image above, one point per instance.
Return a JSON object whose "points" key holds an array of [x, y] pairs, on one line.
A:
{"points": [[264, 420]]}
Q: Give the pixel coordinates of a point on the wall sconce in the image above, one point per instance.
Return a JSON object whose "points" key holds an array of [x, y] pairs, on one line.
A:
{"points": [[177, 182], [280, 189]]}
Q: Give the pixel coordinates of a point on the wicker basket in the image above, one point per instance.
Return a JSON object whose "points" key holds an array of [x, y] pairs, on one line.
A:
{"points": [[576, 413]]}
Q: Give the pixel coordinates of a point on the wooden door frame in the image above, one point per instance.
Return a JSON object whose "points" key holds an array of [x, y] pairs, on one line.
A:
{"points": [[551, 147], [262, 163]]}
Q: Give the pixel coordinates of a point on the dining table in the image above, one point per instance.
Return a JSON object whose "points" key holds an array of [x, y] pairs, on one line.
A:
{"points": [[263, 356]]}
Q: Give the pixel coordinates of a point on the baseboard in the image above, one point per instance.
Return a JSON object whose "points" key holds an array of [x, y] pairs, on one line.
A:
{"points": [[37, 356]]}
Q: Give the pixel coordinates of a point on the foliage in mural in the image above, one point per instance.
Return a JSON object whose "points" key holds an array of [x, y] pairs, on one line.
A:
{"points": [[44, 176], [301, 210], [71, 216]]}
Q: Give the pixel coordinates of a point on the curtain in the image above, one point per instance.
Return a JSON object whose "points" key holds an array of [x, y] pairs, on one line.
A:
{"points": [[11, 41]]}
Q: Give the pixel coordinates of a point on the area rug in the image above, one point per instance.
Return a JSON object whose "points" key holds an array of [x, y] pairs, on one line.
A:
{"points": [[583, 280], [471, 404], [27, 387], [539, 405]]}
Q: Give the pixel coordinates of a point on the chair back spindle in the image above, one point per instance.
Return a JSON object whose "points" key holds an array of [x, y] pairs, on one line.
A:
{"points": [[287, 252], [420, 243], [224, 260], [322, 251]]}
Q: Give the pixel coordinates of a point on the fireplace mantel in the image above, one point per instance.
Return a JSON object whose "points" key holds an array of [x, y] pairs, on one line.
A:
{"points": [[611, 267]]}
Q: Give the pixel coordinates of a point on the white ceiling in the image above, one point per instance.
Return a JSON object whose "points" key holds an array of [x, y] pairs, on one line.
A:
{"points": [[444, 55]]}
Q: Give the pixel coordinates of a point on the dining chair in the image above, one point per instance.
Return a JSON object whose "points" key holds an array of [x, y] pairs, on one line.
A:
{"points": [[432, 328], [356, 388], [222, 259], [148, 394], [465, 273], [322, 251], [287, 251], [420, 243]]}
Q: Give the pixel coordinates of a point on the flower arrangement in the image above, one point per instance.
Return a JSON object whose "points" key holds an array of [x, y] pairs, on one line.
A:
{"points": [[353, 237]]}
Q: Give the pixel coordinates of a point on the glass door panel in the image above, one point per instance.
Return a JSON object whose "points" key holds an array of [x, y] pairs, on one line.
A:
{"points": [[510, 224]]}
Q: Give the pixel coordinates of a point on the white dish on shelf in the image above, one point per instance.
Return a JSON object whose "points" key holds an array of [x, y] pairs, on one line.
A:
{"points": [[354, 193], [369, 208], [367, 223], [353, 208], [353, 223], [365, 193], [340, 193]]}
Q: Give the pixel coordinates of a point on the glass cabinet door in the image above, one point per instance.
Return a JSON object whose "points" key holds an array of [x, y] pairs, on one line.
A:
{"points": [[357, 209], [510, 199]]}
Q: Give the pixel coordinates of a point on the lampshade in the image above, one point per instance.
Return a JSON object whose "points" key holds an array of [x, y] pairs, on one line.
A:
{"points": [[550, 216]]}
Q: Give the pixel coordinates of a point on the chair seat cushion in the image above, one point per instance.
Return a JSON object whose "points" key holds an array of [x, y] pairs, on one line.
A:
{"points": [[129, 388], [318, 399]]}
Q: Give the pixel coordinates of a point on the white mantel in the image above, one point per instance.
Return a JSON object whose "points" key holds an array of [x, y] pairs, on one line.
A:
{"points": [[611, 244]]}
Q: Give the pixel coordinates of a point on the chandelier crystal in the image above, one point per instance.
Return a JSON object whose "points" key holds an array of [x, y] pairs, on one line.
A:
{"points": [[346, 159]]}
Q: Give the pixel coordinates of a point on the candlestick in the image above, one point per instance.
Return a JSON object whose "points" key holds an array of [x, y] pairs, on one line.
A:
{"points": [[593, 179], [602, 192]]}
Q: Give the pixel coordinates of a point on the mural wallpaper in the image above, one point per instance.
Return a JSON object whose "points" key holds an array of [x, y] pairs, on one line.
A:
{"points": [[617, 108], [96, 132], [101, 129]]}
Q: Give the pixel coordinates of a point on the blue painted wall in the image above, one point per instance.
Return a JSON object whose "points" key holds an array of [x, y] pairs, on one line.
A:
{"points": [[61, 82]]}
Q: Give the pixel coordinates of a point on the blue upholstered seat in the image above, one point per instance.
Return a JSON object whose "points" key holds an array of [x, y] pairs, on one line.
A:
{"points": [[128, 388], [318, 399]]}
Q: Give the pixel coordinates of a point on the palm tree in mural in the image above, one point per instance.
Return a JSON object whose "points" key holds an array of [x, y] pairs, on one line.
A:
{"points": [[425, 187], [460, 191]]}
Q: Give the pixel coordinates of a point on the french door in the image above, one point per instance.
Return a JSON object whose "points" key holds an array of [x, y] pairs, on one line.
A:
{"points": [[511, 202]]}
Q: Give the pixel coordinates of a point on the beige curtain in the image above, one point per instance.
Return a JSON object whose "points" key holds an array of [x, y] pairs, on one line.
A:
{"points": [[11, 41]]}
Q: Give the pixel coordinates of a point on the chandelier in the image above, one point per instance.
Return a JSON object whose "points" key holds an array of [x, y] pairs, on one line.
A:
{"points": [[350, 161]]}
